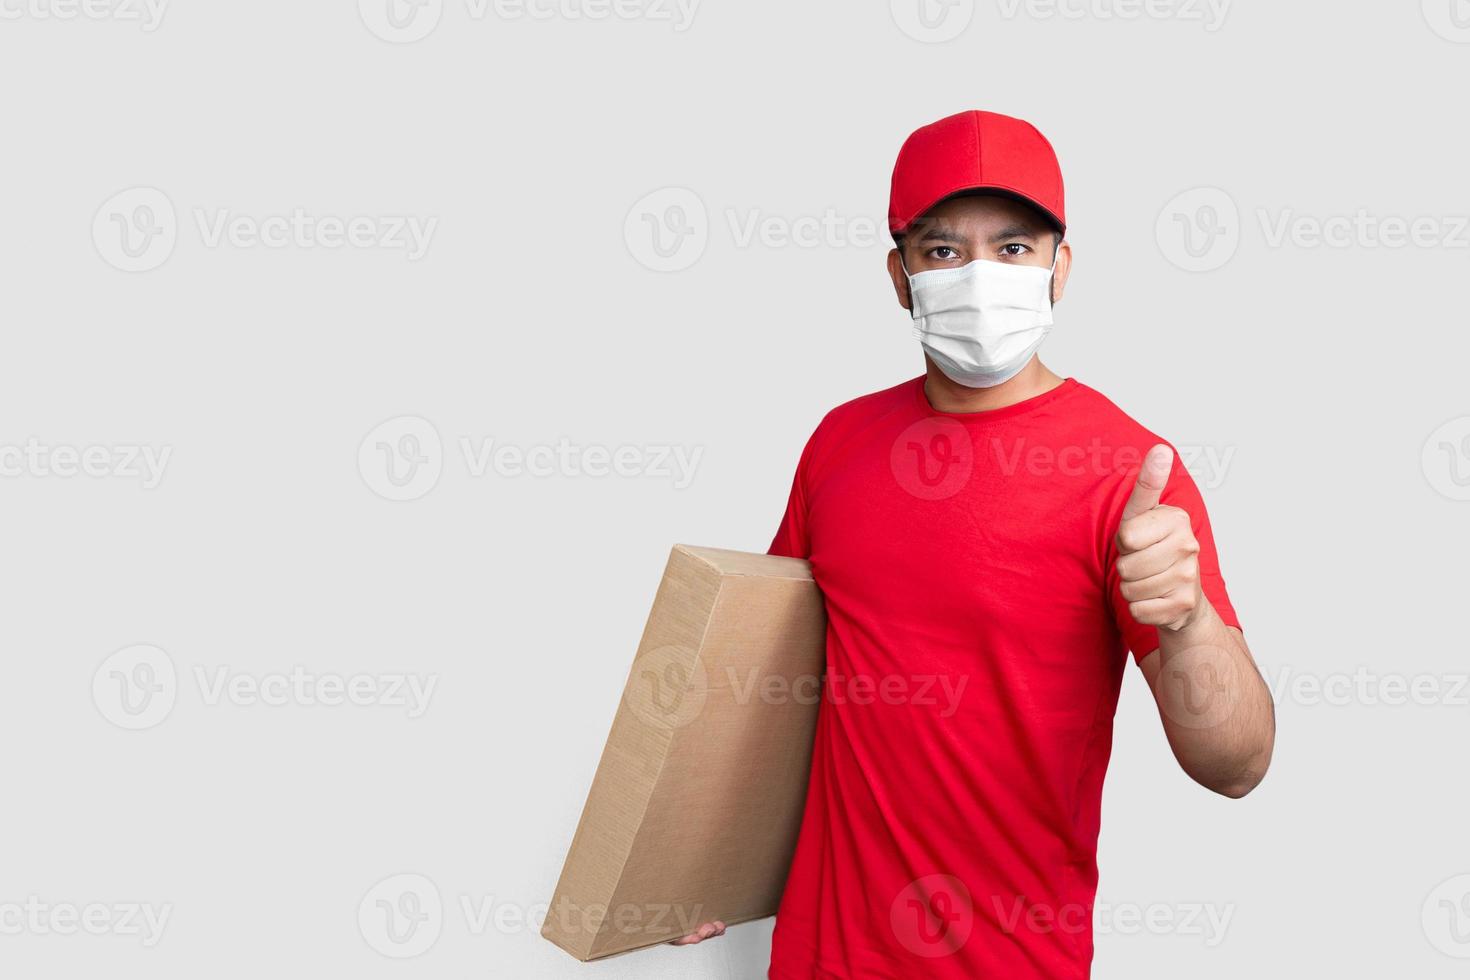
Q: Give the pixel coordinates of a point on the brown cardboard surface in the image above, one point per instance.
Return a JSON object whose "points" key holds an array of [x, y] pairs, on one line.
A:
{"points": [[694, 809]]}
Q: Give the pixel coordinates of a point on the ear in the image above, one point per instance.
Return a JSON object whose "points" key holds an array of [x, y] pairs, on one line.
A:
{"points": [[900, 279], [1064, 269]]}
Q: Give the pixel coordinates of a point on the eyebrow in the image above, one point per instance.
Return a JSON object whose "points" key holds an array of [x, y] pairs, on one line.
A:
{"points": [[942, 233], [1014, 231]]}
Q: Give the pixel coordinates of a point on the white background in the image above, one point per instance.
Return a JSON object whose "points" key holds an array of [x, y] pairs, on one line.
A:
{"points": [[537, 314]]}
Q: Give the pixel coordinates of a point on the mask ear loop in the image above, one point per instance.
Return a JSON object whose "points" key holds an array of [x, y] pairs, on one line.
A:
{"points": [[909, 278], [1051, 284]]}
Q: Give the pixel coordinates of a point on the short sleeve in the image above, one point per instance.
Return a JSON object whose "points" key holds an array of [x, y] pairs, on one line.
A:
{"points": [[1179, 492], [793, 537]]}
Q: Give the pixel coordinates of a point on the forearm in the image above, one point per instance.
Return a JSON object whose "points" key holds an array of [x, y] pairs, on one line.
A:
{"points": [[1216, 709]]}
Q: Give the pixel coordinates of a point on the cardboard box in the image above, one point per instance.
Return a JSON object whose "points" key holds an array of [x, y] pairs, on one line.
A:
{"points": [[695, 807]]}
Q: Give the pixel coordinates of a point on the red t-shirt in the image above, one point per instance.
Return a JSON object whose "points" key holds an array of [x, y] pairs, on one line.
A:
{"points": [[976, 640]]}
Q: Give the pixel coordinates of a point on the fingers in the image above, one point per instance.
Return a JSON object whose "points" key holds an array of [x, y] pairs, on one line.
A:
{"points": [[1171, 597], [1158, 564], [1178, 575], [707, 931], [1152, 476], [1170, 612], [1151, 527], [1177, 546]]}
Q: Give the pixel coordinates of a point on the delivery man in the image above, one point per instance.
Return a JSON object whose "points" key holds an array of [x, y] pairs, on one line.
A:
{"points": [[995, 530]]}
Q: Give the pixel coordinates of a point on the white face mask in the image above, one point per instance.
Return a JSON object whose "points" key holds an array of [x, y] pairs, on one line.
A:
{"points": [[982, 322]]}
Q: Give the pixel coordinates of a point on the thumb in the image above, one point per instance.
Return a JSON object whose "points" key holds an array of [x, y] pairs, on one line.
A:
{"points": [[1151, 479]]}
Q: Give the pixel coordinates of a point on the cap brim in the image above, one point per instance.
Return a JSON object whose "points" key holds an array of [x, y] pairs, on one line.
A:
{"points": [[989, 190]]}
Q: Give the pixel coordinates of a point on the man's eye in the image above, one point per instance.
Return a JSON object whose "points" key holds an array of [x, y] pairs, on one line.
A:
{"points": [[1014, 248], [944, 253]]}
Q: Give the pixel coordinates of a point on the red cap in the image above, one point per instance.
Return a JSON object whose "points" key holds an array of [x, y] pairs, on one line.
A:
{"points": [[974, 151]]}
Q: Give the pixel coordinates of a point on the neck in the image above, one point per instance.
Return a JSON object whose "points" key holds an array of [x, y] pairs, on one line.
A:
{"points": [[947, 396]]}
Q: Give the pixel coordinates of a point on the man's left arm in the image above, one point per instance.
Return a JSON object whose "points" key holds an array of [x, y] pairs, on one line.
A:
{"points": [[1216, 708]]}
